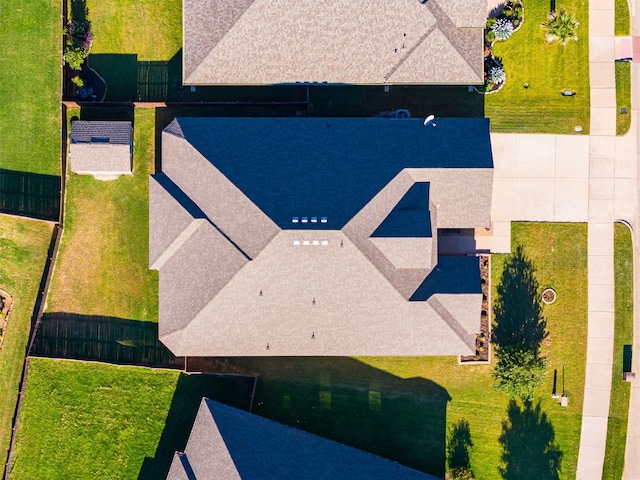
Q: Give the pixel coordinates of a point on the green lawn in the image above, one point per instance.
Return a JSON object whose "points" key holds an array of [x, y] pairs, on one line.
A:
{"points": [[90, 420], [394, 406], [23, 250], [623, 97], [620, 390], [30, 86], [152, 29], [136, 46], [623, 23], [548, 69], [102, 265]]}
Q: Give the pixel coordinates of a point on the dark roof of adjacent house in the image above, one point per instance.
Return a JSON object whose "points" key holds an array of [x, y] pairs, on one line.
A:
{"points": [[288, 236], [101, 148], [336, 41], [233, 444]]}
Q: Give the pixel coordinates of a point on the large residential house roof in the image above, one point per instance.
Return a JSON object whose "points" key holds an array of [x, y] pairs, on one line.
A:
{"points": [[335, 41], [101, 148], [315, 236], [229, 443]]}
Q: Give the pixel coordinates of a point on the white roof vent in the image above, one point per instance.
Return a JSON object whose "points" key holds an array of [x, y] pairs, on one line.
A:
{"points": [[305, 220], [323, 219], [294, 220]]}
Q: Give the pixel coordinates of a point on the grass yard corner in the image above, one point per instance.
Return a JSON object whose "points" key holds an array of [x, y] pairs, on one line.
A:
{"points": [[623, 335], [547, 69], [102, 265], [23, 249], [70, 408], [30, 83]]}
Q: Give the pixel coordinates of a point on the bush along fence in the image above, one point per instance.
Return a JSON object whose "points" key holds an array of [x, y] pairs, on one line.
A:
{"points": [[499, 28]]}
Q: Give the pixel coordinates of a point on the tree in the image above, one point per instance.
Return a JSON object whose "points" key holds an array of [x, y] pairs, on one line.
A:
{"points": [[517, 310], [561, 27], [519, 372], [519, 329]]}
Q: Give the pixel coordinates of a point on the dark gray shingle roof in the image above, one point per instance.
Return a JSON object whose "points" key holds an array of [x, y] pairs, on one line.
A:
{"points": [[258, 448], [118, 133]]}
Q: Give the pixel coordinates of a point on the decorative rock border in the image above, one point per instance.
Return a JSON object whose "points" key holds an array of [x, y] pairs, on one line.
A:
{"points": [[549, 296], [4, 314]]}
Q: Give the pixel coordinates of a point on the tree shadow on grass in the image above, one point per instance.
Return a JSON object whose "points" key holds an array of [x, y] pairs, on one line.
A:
{"points": [[517, 310], [458, 447], [529, 447]]}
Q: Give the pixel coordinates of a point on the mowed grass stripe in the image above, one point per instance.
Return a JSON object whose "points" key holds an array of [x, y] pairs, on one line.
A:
{"points": [[30, 86], [23, 250]]}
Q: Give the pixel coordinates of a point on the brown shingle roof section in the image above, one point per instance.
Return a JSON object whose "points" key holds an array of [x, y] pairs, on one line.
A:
{"points": [[337, 41]]}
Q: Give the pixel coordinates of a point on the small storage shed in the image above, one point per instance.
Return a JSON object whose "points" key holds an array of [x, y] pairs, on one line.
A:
{"points": [[101, 148]]}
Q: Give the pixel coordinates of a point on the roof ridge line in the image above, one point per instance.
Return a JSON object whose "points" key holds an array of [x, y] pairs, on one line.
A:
{"points": [[180, 240], [206, 55], [451, 321], [448, 24], [411, 50]]}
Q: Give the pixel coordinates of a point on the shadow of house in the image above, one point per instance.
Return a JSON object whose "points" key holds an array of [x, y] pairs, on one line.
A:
{"points": [[30, 195], [529, 448], [339, 398], [249, 446], [130, 79], [233, 390], [348, 401], [103, 339]]}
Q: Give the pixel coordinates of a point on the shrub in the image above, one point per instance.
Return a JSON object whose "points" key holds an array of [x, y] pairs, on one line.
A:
{"points": [[496, 75], [74, 57], [78, 43], [519, 372], [502, 29], [490, 37], [561, 27], [77, 81]]}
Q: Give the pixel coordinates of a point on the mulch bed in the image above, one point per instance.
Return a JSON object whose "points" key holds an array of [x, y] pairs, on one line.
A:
{"points": [[483, 339]]}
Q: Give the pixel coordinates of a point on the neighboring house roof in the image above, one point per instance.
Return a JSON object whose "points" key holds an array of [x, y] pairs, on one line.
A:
{"points": [[101, 147], [336, 41], [315, 236], [233, 444]]}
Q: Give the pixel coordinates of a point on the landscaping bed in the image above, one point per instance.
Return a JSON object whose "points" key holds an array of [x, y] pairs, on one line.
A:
{"points": [[537, 72], [483, 339]]}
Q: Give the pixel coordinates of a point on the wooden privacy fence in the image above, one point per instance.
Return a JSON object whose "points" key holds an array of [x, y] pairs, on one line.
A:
{"points": [[102, 339]]}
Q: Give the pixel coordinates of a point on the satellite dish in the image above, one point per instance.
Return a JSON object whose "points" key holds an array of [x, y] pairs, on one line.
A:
{"points": [[429, 120]]}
